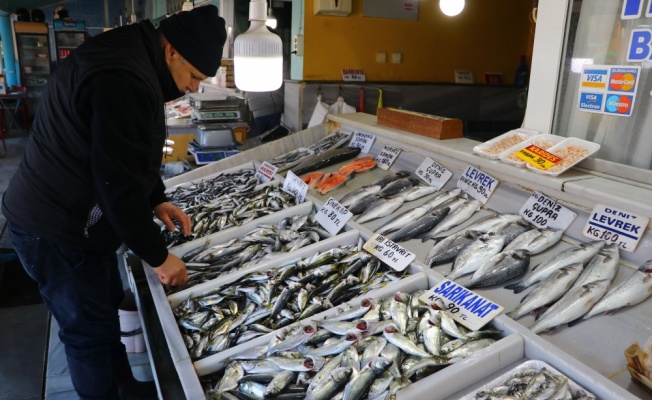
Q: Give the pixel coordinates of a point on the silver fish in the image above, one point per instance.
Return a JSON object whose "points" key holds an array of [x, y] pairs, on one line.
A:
{"points": [[421, 225], [391, 177], [405, 218], [449, 247], [381, 208], [232, 375], [636, 288], [393, 336], [330, 385], [418, 191], [536, 240], [475, 254], [603, 265], [358, 194], [500, 268], [571, 306], [442, 197], [398, 186], [356, 388], [548, 290], [279, 383], [582, 253], [454, 218]]}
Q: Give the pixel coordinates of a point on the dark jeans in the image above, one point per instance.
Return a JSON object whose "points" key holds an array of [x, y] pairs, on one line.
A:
{"points": [[267, 122], [82, 290]]}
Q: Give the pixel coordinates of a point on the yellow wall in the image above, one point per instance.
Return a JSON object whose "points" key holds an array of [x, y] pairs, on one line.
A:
{"points": [[488, 36]]}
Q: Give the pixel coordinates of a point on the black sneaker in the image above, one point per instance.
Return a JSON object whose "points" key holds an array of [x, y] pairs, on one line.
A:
{"points": [[137, 390]]}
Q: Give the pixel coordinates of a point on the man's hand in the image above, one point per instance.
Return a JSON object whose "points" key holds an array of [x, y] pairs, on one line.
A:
{"points": [[172, 271], [167, 211]]}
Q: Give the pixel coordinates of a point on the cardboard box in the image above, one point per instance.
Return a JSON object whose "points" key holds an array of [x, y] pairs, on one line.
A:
{"points": [[421, 124]]}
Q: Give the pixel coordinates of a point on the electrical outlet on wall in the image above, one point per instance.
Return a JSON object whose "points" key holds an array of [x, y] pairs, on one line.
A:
{"points": [[396, 58], [298, 45], [381, 58]]}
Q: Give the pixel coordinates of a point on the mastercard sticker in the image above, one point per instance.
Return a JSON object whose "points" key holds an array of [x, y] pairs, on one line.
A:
{"points": [[608, 89]]}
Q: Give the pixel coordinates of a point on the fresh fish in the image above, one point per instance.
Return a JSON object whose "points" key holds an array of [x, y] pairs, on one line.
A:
{"points": [[449, 247], [232, 375], [329, 157], [548, 290], [418, 191], [381, 208], [335, 347], [330, 385], [581, 253], [443, 197], [393, 336], [333, 181], [475, 254], [398, 186], [494, 221], [358, 194], [398, 310], [357, 386], [421, 225], [362, 204], [536, 240], [603, 265], [636, 288], [470, 348], [500, 268], [511, 230], [405, 218], [571, 306], [454, 218], [391, 177], [280, 382], [427, 362]]}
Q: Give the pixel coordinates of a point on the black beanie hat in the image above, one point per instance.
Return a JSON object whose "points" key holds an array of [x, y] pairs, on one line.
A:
{"points": [[198, 35]]}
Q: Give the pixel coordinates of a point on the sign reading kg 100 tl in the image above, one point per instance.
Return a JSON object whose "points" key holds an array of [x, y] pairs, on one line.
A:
{"points": [[614, 225]]}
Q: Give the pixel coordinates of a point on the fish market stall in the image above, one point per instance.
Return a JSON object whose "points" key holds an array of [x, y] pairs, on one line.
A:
{"points": [[418, 213]]}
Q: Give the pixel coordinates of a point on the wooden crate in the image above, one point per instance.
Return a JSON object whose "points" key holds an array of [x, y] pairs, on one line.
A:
{"points": [[421, 124]]}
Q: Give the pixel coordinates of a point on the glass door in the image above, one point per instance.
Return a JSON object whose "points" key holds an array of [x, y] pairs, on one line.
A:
{"points": [[66, 41]]}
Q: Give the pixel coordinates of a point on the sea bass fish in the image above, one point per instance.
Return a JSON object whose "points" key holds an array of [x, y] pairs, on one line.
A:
{"points": [[603, 265], [449, 247], [423, 224], [536, 240], [548, 290], [381, 208], [571, 306], [500, 268], [473, 256], [359, 193], [582, 253], [454, 218], [633, 290]]}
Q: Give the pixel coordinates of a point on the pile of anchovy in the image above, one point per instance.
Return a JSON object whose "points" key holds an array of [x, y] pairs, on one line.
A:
{"points": [[368, 350], [205, 191], [260, 302], [535, 383], [267, 240], [234, 208]]}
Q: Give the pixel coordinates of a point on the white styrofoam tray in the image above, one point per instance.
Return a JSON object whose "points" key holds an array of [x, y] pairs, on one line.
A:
{"points": [[345, 138], [537, 348], [248, 165], [538, 364], [557, 149], [542, 140], [293, 163], [495, 146]]}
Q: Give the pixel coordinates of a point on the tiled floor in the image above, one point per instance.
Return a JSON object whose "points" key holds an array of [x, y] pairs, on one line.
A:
{"points": [[32, 360]]}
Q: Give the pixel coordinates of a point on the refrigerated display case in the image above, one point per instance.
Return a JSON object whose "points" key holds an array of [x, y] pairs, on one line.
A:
{"points": [[68, 35], [33, 47]]}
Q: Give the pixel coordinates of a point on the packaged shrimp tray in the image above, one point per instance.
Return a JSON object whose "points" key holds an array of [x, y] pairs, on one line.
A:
{"points": [[543, 140], [572, 151], [492, 148]]}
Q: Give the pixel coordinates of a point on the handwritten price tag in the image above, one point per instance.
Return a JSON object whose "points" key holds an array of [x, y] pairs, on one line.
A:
{"points": [[477, 184], [332, 216], [266, 172], [389, 252], [387, 156], [545, 212], [293, 184], [433, 173], [363, 140], [465, 306]]}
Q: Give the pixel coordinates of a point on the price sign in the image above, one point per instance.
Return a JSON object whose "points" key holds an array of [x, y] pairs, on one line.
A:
{"points": [[353, 75], [266, 172], [433, 173], [389, 252], [387, 156], [332, 216], [293, 184], [545, 212], [538, 157], [477, 184], [465, 306], [363, 140], [614, 225]]}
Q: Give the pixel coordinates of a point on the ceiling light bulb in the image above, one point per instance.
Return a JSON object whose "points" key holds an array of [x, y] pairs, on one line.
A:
{"points": [[451, 7], [271, 20]]}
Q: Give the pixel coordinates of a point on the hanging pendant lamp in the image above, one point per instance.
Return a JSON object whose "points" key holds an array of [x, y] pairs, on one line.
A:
{"points": [[258, 54]]}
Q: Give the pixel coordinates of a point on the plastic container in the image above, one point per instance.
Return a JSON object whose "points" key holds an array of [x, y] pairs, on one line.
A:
{"points": [[572, 151], [543, 140], [492, 148], [131, 331]]}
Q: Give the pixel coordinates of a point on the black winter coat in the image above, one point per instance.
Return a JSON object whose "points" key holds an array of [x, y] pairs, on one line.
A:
{"points": [[97, 140]]}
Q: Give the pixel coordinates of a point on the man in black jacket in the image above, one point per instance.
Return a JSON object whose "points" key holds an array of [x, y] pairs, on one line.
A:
{"points": [[89, 181]]}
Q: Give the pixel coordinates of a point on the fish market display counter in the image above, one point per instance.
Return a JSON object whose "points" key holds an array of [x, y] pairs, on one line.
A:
{"points": [[589, 353]]}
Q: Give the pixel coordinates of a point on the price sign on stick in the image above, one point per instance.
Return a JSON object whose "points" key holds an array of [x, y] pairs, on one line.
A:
{"points": [[387, 156], [389, 252], [293, 184], [266, 172], [363, 140], [477, 184], [433, 173], [332, 216]]}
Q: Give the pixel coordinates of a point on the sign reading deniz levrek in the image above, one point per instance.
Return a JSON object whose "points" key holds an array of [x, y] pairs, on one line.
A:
{"points": [[609, 89]]}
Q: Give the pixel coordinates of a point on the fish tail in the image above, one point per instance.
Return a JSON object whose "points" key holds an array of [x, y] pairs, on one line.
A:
{"points": [[517, 287]]}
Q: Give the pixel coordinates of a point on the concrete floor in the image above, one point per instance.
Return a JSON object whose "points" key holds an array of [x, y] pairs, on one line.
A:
{"points": [[32, 360]]}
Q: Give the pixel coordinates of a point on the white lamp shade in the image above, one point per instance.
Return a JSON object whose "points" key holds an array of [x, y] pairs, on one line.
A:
{"points": [[258, 54], [451, 7]]}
